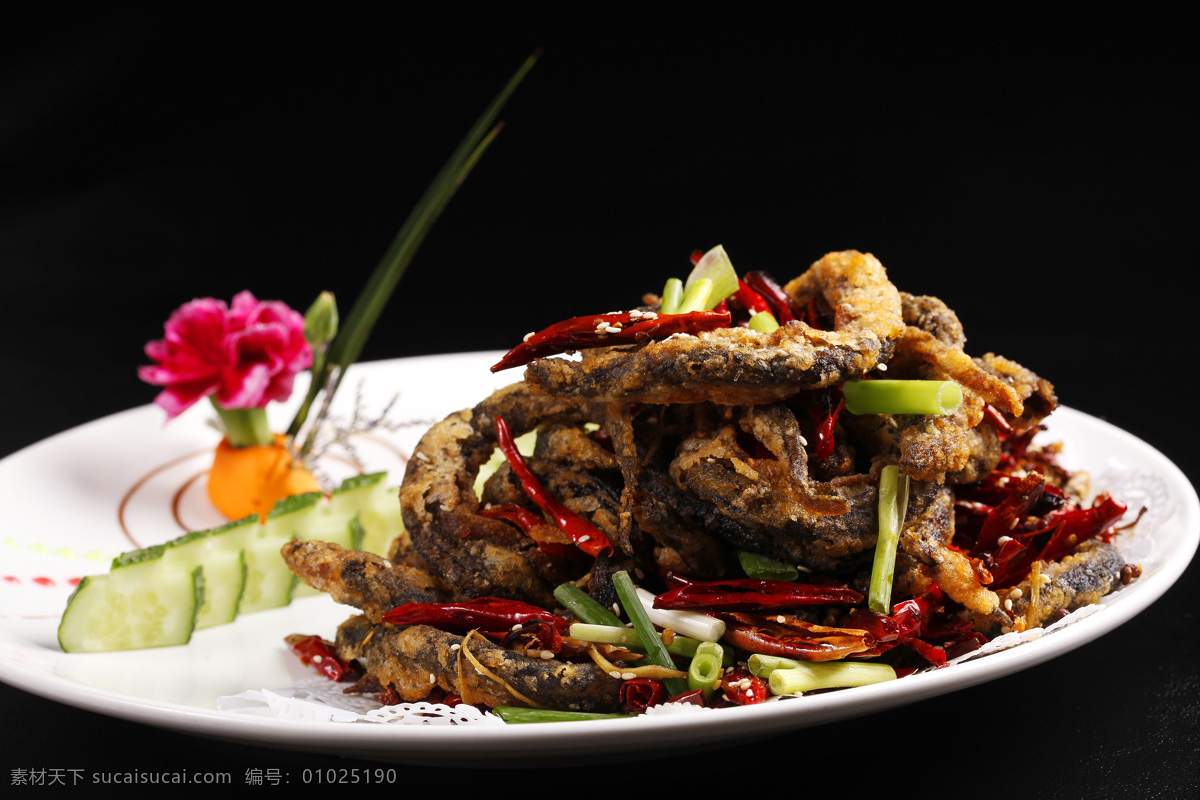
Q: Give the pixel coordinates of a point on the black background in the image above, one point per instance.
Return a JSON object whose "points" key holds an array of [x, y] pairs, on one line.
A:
{"points": [[1041, 180]]}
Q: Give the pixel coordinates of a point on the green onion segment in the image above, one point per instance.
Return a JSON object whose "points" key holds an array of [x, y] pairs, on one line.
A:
{"points": [[584, 607], [788, 676], [893, 502], [716, 267], [901, 397], [706, 668], [672, 296], [696, 296], [515, 715], [763, 322], [656, 652]]}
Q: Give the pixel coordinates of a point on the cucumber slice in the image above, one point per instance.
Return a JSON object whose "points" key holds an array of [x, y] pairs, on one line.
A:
{"points": [[269, 582], [139, 605], [334, 520], [224, 571], [380, 521], [159, 595]]}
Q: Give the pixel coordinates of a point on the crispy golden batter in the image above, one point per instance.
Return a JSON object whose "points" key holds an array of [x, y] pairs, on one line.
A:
{"points": [[476, 556], [737, 366], [416, 659], [363, 580]]}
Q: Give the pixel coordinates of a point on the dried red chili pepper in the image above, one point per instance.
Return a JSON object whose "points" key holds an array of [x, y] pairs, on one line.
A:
{"points": [[533, 526], [993, 417], [693, 697], [794, 638], [1004, 517], [907, 624], [780, 304], [586, 536], [314, 651], [738, 686], [751, 300], [638, 694], [825, 444], [754, 594], [603, 330], [492, 616]]}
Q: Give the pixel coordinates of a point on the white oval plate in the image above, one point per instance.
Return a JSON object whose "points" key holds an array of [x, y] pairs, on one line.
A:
{"points": [[74, 501]]}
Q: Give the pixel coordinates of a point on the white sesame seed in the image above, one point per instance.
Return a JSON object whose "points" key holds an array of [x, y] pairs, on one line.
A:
{"points": [[613, 329], [781, 618], [547, 655], [628, 676], [455, 646], [529, 336], [422, 456], [616, 673], [583, 539], [881, 367], [1004, 540], [317, 659], [432, 678], [516, 626], [803, 442], [1008, 604], [650, 315]]}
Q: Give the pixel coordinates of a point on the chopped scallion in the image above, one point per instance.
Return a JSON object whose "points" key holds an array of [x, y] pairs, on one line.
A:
{"points": [[672, 296], [810, 676], [901, 397], [761, 666], [696, 296], [716, 267], [584, 607], [763, 322], [893, 502], [705, 669], [515, 715], [656, 652]]}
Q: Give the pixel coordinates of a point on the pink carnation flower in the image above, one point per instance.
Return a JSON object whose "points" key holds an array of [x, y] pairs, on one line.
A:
{"points": [[247, 355]]}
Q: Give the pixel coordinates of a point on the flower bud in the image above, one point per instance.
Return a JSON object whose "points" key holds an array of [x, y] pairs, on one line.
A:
{"points": [[321, 320]]}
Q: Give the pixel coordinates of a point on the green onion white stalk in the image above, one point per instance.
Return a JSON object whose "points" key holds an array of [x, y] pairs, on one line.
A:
{"points": [[688, 623]]}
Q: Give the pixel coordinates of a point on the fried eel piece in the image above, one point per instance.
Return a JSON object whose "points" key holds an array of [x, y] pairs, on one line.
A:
{"points": [[1081, 579], [734, 366], [476, 556], [366, 581], [415, 659]]}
